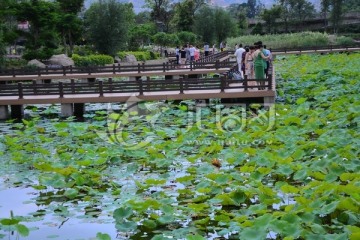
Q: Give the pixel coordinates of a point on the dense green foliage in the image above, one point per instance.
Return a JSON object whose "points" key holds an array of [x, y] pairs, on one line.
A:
{"points": [[292, 40], [42, 38], [140, 55], [290, 172], [92, 60], [109, 24], [69, 24]]}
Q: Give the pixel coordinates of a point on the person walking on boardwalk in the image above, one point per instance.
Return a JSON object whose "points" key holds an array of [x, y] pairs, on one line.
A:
{"points": [[221, 46], [182, 57], [192, 53], [206, 49], [259, 58], [249, 65], [238, 54]]}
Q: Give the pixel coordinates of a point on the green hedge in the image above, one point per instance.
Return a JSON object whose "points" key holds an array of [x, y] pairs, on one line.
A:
{"points": [[140, 55], [92, 60]]}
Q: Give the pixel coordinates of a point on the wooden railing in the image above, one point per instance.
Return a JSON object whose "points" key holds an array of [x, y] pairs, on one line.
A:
{"points": [[116, 68], [138, 87], [215, 61], [316, 48]]}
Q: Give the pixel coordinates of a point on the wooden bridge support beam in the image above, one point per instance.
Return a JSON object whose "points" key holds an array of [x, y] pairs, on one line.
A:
{"points": [[17, 111], [72, 109], [4, 112], [79, 110], [132, 106], [269, 101], [67, 109]]}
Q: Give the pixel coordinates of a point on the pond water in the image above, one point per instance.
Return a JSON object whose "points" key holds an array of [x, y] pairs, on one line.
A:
{"points": [[17, 195]]}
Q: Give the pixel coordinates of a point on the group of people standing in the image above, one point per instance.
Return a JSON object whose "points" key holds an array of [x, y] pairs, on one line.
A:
{"points": [[188, 53], [253, 61]]}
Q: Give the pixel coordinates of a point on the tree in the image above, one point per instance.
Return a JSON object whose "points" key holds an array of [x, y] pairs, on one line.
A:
{"points": [[8, 21], [239, 12], [325, 7], [143, 17], [225, 25], [301, 9], [69, 24], [165, 39], [161, 12], [2, 49], [42, 38], [108, 24], [270, 16], [251, 8], [183, 17], [285, 13], [141, 35], [336, 14], [187, 37], [204, 24]]}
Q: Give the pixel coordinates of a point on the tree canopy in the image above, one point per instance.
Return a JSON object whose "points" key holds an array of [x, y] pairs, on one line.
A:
{"points": [[109, 23]]}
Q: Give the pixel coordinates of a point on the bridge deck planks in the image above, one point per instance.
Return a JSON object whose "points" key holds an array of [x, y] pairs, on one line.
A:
{"points": [[149, 96]]}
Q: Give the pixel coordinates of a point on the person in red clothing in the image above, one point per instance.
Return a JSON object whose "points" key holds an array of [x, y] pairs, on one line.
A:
{"points": [[197, 53]]}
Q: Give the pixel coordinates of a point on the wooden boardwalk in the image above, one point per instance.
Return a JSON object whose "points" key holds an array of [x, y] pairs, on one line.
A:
{"points": [[121, 91]]}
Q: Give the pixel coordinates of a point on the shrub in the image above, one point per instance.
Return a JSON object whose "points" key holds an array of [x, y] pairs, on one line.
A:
{"points": [[344, 41], [140, 55], [83, 50], [15, 63], [92, 60], [290, 40]]}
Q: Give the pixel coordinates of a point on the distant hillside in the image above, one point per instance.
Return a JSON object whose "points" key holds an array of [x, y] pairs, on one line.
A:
{"points": [[138, 4]]}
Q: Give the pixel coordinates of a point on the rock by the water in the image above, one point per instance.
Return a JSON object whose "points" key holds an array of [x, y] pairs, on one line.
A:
{"points": [[61, 60], [130, 58], [36, 63], [117, 59]]}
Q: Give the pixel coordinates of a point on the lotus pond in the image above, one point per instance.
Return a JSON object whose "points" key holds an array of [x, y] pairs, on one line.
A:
{"points": [[194, 172]]}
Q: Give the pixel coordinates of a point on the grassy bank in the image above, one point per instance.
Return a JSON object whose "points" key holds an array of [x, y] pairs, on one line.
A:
{"points": [[292, 40]]}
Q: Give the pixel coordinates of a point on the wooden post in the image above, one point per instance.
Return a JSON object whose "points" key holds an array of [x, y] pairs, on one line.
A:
{"points": [[164, 69], [13, 72], [217, 64], [181, 86], [143, 66], [61, 89], [46, 69], [245, 83], [222, 84], [72, 86], [71, 69], [148, 83], [114, 68], [101, 88], [139, 68], [20, 90], [270, 81], [34, 86], [64, 71], [191, 65], [38, 71], [110, 84], [141, 90]]}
